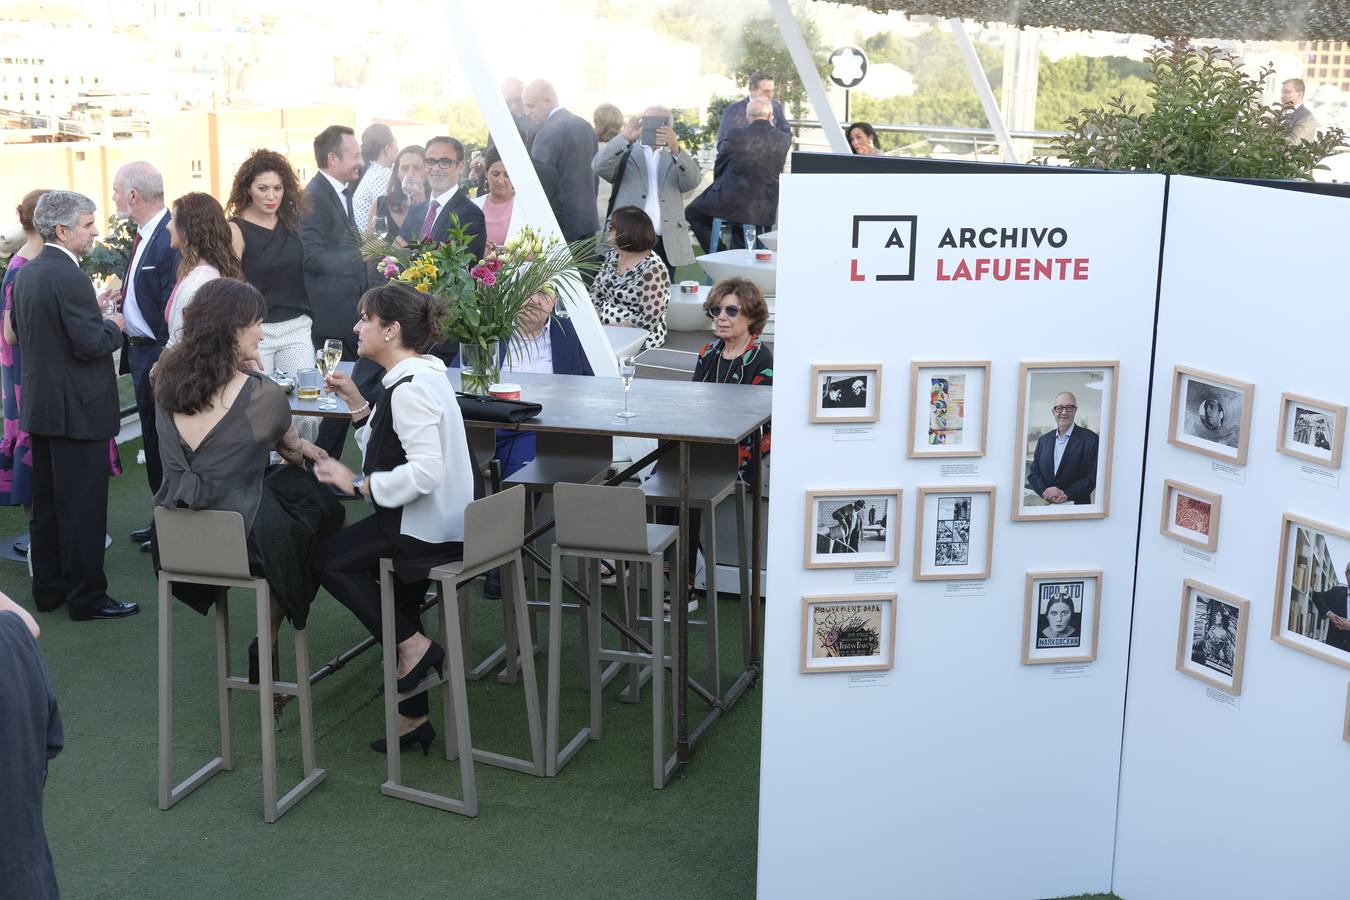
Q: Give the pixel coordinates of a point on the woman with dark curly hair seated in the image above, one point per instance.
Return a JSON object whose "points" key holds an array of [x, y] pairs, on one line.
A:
{"points": [[218, 424]]}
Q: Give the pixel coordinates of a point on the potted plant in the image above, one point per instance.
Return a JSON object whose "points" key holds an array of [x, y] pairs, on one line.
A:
{"points": [[487, 297], [109, 257]]}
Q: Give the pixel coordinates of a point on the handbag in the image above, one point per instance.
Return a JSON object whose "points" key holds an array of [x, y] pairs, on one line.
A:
{"points": [[494, 409], [618, 180]]}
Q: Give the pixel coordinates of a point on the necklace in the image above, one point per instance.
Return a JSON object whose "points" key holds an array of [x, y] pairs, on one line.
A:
{"points": [[719, 375]]}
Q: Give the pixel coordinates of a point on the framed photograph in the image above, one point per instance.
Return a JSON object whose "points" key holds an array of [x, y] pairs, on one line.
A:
{"points": [[954, 535], [853, 633], [1311, 429], [846, 393], [1065, 428], [853, 529], [1191, 515], [1060, 617], [1211, 414], [949, 409], [1212, 637], [1310, 611]]}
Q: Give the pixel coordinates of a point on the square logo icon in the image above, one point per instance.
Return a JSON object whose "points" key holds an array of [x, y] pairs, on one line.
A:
{"points": [[883, 248]]}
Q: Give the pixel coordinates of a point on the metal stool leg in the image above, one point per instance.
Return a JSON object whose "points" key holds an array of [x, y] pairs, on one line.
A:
{"points": [[710, 614], [658, 676], [629, 583], [223, 686], [266, 677], [743, 552], [305, 697], [455, 707], [554, 662], [165, 695]]}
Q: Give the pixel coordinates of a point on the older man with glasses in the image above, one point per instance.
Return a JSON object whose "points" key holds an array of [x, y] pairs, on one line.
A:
{"points": [[1064, 468], [431, 221]]}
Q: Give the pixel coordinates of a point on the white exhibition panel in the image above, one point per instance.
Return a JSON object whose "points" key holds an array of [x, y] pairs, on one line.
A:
{"points": [[1252, 801], [962, 772]]}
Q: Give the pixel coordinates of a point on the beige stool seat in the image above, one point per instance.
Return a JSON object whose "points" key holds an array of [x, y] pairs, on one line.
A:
{"points": [[210, 547]]}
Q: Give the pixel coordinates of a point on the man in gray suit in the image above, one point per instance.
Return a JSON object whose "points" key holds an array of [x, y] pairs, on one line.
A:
{"points": [[562, 150], [1302, 123], [654, 178]]}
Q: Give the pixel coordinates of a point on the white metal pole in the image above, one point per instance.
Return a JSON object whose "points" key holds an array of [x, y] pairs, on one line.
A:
{"points": [[806, 71], [982, 88]]}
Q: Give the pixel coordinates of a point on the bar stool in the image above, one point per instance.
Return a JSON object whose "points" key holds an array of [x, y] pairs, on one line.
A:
{"points": [[493, 532], [712, 478], [596, 522], [559, 457], [210, 547], [716, 234], [483, 445]]}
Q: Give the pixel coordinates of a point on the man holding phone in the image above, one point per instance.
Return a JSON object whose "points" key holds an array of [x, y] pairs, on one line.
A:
{"points": [[648, 169]]}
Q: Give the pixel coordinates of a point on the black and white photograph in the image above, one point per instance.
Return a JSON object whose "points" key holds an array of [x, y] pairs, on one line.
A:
{"points": [[852, 529], [1212, 635], [1211, 414], [1060, 617], [1065, 428], [1312, 430], [1310, 608], [845, 393], [954, 533], [949, 409]]}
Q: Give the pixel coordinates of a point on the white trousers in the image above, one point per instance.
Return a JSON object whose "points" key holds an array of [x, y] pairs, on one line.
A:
{"points": [[287, 347]]}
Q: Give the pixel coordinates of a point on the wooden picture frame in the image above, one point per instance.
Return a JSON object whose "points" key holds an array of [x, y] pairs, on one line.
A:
{"points": [[1189, 414], [1310, 568], [850, 622], [824, 548], [1201, 657], [974, 408], [947, 535], [1290, 428], [844, 413], [1039, 646], [1173, 525], [1077, 377]]}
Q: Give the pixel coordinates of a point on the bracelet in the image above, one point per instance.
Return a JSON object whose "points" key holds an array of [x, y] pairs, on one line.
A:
{"points": [[363, 408]]}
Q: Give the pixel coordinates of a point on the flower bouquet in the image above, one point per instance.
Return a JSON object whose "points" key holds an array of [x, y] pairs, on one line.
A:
{"points": [[110, 256], [487, 297]]}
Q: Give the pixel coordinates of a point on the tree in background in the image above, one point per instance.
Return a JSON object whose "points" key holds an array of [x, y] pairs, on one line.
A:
{"points": [[762, 49], [1065, 86], [942, 92], [1207, 118]]}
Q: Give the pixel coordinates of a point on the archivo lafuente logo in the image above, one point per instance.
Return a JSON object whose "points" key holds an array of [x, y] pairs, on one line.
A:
{"points": [[883, 248]]}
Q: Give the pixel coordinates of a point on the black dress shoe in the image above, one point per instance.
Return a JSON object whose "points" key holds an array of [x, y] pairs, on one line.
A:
{"points": [[422, 734], [140, 535], [147, 547], [108, 609], [434, 658]]}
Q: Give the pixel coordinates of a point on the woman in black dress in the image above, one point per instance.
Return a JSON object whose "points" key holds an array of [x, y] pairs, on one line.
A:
{"points": [[265, 207]]}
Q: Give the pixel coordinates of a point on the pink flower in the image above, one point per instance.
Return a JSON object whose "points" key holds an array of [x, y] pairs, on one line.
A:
{"points": [[494, 264], [489, 279], [477, 272]]}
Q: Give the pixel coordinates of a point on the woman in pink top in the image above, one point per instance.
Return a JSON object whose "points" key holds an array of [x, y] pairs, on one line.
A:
{"points": [[499, 203]]}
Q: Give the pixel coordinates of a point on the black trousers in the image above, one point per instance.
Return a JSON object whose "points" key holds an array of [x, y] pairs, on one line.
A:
{"points": [[349, 569], [660, 249], [70, 519], [140, 357]]}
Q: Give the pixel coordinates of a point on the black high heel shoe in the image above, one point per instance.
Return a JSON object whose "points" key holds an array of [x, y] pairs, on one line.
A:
{"points": [[253, 670], [422, 734], [434, 658]]}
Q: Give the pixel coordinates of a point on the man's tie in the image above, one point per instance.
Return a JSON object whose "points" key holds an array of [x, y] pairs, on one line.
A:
{"points": [[430, 220], [347, 201]]}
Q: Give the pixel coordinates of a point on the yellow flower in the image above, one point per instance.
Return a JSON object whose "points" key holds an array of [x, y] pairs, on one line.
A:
{"points": [[423, 288]]}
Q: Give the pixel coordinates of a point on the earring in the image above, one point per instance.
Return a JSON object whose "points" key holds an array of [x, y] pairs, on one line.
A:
{"points": [[387, 338]]}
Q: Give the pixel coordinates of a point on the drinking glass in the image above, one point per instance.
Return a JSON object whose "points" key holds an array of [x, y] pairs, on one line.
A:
{"points": [[751, 234], [308, 384], [381, 224], [327, 360], [627, 369]]}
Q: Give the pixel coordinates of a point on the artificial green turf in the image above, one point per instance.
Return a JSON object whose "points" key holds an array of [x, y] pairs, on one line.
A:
{"points": [[599, 829]]}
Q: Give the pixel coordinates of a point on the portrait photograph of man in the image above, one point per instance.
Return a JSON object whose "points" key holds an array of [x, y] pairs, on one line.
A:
{"points": [[1064, 456]]}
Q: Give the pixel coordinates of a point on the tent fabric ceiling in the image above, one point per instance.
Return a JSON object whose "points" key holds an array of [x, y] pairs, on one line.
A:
{"points": [[1223, 19]]}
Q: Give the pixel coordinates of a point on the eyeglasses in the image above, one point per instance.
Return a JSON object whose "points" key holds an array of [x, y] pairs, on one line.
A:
{"points": [[444, 162], [1060, 410], [731, 309]]}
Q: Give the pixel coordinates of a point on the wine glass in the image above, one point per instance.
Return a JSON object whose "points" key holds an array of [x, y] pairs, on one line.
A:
{"points": [[627, 369], [381, 226], [326, 360]]}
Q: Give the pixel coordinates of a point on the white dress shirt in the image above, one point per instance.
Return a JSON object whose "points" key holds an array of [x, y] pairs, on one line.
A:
{"points": [[1061, 442], [441, 201], [66, 250], [653, 205], [136, 326], [436, 482], [337, 186], [532, 355], [182, 296]]}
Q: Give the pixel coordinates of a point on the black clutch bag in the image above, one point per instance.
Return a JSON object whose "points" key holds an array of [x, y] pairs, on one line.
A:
{"points": [[493, 409]]}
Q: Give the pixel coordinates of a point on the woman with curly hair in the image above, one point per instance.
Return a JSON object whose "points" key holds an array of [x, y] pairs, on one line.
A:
{"points": [[218, 424], [198, 231], [265, 206]]}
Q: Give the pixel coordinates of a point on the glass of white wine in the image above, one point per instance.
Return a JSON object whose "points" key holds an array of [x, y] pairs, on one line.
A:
{"points": [[627, 369], [326, 359]]}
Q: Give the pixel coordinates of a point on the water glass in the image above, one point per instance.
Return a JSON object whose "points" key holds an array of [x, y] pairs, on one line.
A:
{"points": [[308, 384]]}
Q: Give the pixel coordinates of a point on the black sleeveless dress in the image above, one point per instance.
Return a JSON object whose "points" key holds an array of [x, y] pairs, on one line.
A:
{"points": [[274, 263]]}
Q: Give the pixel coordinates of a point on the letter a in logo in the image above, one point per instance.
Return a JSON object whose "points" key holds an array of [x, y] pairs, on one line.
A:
{"points": [[894, 240]]}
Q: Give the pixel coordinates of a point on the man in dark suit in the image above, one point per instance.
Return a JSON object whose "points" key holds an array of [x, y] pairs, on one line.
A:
{"points": [[562, 149], [151, 273], [1302, 123], [335, 274], [70, 409], [1332, 604], [431, 221], [1064, 467], [736, 116], [745, 177]]}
